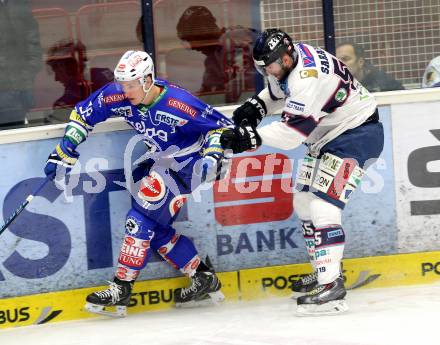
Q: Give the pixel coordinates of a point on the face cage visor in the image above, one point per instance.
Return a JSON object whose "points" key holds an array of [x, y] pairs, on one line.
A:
{"points": [[135, 83], [260, 66], [269, 59], [131, 85]]}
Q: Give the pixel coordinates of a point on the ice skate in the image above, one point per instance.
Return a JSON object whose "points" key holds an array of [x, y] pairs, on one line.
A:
{"points": [[306, 283], [204, 290], [327, 299], [116, 297]]}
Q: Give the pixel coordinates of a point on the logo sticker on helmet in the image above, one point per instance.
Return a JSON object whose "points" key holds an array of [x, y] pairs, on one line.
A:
{"points": [[135, 60], [274, 42]]}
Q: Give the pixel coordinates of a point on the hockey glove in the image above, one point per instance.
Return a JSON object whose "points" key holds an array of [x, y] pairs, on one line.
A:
{"points": [[215, 161], [253, 110], [61, 160], [241, 138]]}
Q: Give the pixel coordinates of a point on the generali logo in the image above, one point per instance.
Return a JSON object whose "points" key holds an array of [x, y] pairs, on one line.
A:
{"points": [[182, 106], [114, 98]]}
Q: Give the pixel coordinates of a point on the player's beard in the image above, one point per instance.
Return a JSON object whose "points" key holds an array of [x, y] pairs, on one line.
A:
{"points": [[285, 71]]}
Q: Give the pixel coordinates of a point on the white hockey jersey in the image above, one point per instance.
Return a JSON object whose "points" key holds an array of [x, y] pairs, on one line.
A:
{"points": [[320, 99]]}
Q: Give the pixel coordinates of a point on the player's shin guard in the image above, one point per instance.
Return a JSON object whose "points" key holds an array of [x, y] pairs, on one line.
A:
{"points": [[308, 282], [178, 250], [133, 256], [328, 296], [329, 250]]}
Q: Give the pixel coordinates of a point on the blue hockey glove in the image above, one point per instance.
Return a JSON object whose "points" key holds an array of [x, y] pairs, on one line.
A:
{"points": [[61, 160], [211, 164], [214, 163]]}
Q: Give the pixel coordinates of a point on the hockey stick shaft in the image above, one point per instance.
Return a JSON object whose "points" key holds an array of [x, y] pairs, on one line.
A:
{"points": [[23, 205]]}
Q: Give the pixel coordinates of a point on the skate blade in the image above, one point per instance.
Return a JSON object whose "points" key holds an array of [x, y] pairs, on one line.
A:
{"points": [[295, 294], [329, 308], [212, 299], [120, 310]]}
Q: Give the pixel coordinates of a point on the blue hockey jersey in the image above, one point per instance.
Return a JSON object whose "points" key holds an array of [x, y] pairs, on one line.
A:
{"points": [[175, 118]]}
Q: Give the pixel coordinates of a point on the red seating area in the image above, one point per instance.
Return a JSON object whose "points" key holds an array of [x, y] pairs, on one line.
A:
{"points": [[204, 63], [82, 45], [81, 49]]}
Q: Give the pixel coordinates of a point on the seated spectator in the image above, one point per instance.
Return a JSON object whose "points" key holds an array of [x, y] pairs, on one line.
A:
{"points": [[371, 77], [68, 61], [62, 58], [431, 77], [228, 63]]}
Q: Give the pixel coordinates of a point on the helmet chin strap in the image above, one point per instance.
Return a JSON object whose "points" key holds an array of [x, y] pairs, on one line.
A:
{"points": [[147, 91]]}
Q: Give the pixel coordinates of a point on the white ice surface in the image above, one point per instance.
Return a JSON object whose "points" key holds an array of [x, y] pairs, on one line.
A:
{"points": [[392, 316]]}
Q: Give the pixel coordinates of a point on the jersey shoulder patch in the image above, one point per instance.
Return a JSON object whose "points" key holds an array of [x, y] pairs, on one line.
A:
{"points": [[306, 55]]}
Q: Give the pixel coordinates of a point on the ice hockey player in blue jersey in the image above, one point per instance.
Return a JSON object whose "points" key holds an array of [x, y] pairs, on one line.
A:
{"points": [[186, 132]]}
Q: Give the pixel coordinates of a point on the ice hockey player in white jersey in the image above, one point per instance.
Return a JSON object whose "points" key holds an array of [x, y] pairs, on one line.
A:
{"points": [[328, 110]]}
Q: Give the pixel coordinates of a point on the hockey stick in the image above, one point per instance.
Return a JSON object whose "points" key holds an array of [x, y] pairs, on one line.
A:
{"points": [[23, 206]]}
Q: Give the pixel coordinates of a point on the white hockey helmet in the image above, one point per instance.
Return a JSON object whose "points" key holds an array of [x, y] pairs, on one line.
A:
{"points": [[134, 65], [431, 77]]}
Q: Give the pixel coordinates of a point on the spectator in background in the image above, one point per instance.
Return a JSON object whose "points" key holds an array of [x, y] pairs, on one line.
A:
{"points": [[68, 60], [20, 61], [371, 77], [431, 77], [62, 58], [228, 64]]}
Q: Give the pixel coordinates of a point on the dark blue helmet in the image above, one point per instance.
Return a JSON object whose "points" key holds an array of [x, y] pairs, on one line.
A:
{"points": [[270, 46]]}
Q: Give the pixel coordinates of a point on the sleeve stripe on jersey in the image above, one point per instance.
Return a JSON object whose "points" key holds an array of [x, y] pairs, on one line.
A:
{"points": [[79, 127], [303, 124], [74, 116], [332, 103]]}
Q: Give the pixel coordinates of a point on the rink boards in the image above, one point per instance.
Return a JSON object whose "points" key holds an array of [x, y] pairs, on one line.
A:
{"points": [[69, 236], [68, 240], [250, 284]]}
